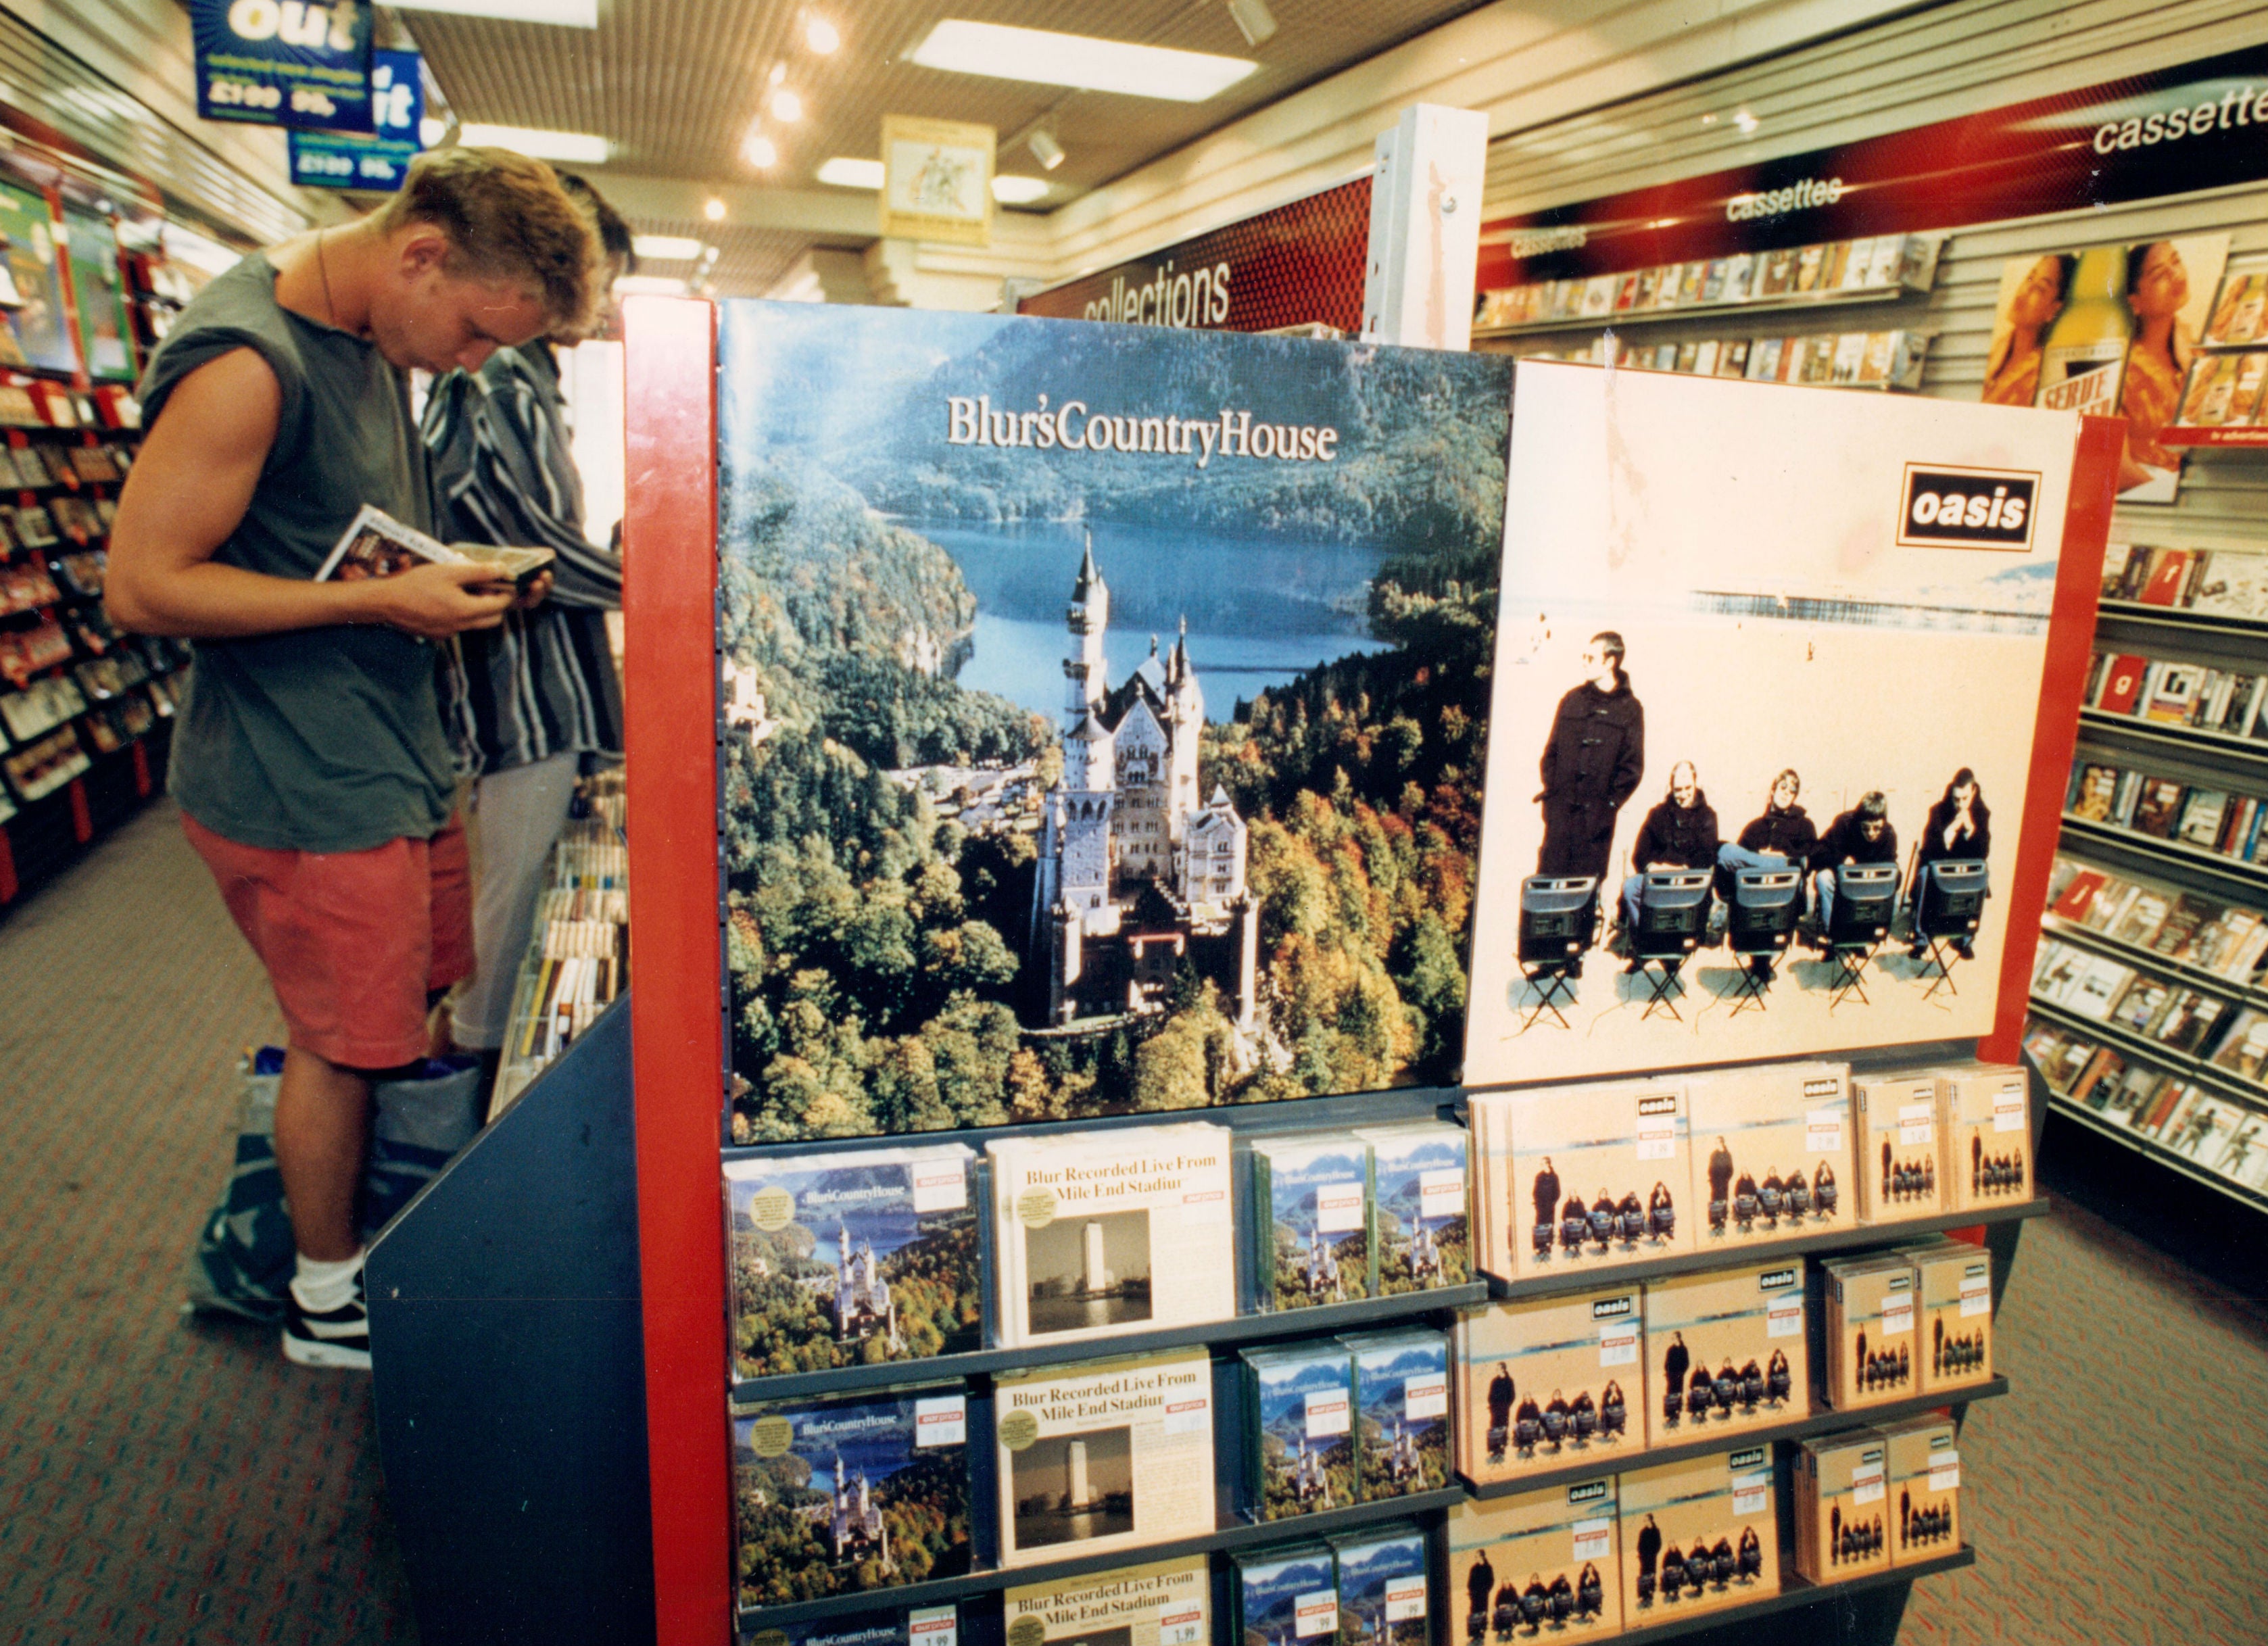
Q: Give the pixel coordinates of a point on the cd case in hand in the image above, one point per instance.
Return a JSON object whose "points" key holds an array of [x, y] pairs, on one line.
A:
{"points": [[376, 545]]}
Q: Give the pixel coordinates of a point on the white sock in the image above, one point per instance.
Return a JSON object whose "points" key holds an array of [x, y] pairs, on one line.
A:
{"points": [[323, 1287]]}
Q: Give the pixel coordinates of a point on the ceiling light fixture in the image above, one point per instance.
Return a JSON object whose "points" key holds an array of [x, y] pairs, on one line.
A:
{"points": [[845, 173], [580, 147], [778, 73], [713, 209], [1010, 190], [559, 13], [760, 151], [1045, 57], [667, 248], [650, 286], [786, 106], [1046, 148], [1254, 20], [822, 36], [431, 131], [1746, 122]]}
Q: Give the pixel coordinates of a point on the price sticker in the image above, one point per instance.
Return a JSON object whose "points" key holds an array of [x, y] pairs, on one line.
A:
{"points": [[1657, 1136], [1976, 1295], [1189, 1417], [1944, 1472], [1316, 1613], [1822, 1131], [1618, 1342], [1916, 1124], [1869, 1484], [1590, 1538], [1181, 1628], [1440, 1194], [1405, 1598], [933, 1626], [941, 1188], [943, 1421], [1749, 1491], [1327, 1415], [1898, 1316], [1426, 1396], [1205, 1206], [1785, 1317], [2009, 1109], [1338, 1208]]}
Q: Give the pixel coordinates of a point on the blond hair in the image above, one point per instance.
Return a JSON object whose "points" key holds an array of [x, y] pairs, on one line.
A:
{"points": [[507, 218]]}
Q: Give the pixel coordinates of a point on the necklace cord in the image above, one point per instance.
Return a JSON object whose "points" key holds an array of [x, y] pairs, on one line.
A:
{"points": [[330, 308]]}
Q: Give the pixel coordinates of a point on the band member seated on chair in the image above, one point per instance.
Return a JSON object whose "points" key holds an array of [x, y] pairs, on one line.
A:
{"points": [[1681, 833], [1960, 827], [1782, 838], [1861, 835], [1592, 764]]}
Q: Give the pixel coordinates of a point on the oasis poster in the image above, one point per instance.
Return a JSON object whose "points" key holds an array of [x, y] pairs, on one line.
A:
{"points": [[1794, 634], [1105, 711]]}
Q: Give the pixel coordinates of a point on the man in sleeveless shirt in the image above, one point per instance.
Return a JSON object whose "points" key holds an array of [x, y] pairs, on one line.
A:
{"points": [[309, 761]]}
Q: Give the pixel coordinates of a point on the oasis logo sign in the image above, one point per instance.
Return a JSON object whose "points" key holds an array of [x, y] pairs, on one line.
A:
{"points": [[1589, 1492], [1749, 1460], [1775, 1279], [1657, 1105], [1944, 507], [1610, 1308]]}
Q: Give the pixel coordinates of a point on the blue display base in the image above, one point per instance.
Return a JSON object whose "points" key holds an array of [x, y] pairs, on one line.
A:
{"points": [[504, 1329]]}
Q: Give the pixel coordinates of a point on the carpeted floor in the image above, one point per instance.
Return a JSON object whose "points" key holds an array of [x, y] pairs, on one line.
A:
{"points": [[164, 1481]]}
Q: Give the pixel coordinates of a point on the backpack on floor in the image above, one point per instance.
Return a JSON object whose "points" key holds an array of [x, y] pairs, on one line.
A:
{"points": [[244, 1257]]}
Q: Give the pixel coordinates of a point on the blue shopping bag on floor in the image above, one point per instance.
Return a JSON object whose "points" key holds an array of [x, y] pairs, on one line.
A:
{"points": [[244, 1256]]}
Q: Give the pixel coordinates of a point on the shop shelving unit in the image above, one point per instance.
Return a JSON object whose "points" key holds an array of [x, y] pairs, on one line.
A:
{"points": [[2168, 866]]}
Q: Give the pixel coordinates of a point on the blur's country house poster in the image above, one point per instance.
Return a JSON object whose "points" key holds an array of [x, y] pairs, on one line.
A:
{"points": [[1766, 680], [1105, 713]]}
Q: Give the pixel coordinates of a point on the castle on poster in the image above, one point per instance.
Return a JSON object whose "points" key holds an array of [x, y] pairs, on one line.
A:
{"points": [[1105, 713]]}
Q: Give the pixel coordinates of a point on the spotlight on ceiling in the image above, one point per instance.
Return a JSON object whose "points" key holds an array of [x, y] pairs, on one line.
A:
{"points": [[778, 73], [761, 152], [822, 36], [787, 106], [713, 209], [1045, 148], [1254, 20]]}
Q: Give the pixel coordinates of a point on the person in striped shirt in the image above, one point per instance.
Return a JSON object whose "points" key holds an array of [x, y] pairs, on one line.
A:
{"points": [[526, 703]]}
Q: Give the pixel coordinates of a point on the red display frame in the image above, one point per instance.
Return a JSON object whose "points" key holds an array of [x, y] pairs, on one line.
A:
{"points": [[677, 1022], [677, 1045]]}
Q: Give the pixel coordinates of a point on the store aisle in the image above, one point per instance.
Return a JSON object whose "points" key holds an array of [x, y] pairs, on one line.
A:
{"points": [[161, 1480]]}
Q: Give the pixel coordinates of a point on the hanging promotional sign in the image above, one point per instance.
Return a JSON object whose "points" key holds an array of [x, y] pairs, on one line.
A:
{"points": [[938, 181], [2170, 131], [283, 62], [1298, 264], [343, 159]]}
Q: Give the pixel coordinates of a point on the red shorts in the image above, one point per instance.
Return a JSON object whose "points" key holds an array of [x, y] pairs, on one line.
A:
{"points": [[355, 941]]}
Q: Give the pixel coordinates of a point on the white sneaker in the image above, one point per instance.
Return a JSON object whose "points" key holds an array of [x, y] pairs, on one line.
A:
{"points": [[337, 1339]]}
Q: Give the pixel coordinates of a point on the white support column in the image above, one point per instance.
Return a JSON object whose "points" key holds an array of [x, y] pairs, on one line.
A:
{"points": [[1425, 229]]}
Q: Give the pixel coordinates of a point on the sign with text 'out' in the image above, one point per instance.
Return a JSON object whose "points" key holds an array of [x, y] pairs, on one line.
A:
{"points": [[285, 63]]}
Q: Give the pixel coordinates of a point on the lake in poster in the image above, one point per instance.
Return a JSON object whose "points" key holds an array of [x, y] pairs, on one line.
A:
{"points": [[1105, 713]]}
